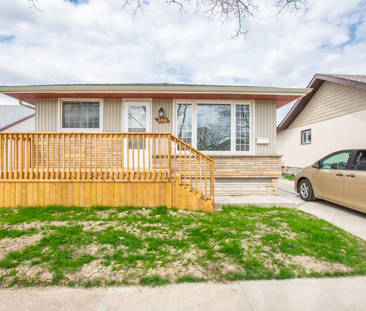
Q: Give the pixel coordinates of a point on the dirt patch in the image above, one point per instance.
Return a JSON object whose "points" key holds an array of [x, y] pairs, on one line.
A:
{"points": [[102, 215], [17, 244], [311, 264], [36, 272], [174, 270], [93, 271], [24, 226], [192, 254], [91, 249]]}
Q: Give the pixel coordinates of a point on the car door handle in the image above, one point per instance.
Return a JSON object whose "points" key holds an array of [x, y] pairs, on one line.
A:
{"points": [[340, 175], [351, 176]]}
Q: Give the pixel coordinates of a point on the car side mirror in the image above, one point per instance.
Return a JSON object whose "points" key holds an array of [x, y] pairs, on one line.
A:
{"points": [[317, 165]]}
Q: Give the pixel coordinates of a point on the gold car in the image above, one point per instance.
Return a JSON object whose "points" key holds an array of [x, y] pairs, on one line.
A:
{"points": [[339, 178]]}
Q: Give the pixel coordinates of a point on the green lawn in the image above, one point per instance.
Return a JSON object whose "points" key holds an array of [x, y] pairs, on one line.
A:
{"points": [[290, 177], [119, 246]]}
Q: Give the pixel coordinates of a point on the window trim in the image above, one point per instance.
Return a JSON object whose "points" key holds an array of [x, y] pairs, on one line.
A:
{"points": [[303, 143], [194, 103], [62, 129]]}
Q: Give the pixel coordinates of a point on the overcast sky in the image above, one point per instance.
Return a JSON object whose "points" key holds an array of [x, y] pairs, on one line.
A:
{"points": [[95, 42]]}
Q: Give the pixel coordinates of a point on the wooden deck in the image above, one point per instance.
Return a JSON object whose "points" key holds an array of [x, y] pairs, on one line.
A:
{"points": [[114, 169]]}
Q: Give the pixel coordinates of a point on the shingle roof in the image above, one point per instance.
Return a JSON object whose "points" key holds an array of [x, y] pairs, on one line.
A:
{"points": [[357, 78], [10, 114]]}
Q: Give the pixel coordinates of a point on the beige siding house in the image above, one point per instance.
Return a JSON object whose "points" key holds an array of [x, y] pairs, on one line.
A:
{"points": [[15, 118], [234, 126], [332, 117]]}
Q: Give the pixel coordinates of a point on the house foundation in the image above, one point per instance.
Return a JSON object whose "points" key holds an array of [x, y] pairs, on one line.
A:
{"points": [[247, 174]]}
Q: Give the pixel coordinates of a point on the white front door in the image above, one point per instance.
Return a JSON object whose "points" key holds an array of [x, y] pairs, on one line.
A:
{"points": [[137, 119]]}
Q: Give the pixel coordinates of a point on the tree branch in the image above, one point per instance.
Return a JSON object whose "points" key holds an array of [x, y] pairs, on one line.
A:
{"points": [[294, 5], [34, 4], [223, 10]]}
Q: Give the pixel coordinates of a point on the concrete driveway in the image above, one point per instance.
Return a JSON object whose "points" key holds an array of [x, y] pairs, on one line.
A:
{"points": [[349, 220]]}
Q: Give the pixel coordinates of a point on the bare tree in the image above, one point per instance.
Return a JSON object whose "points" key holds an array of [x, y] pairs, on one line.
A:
{"points": [[182, 113], [223, 10], [224, 112], [213, 136]]}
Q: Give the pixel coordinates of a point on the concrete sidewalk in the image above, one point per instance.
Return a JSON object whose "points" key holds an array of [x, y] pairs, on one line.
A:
{"points": [[295, 295], [259, 200]]}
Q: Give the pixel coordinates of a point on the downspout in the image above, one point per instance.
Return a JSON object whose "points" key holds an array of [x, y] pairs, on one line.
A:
{"points": [[26, 106]]}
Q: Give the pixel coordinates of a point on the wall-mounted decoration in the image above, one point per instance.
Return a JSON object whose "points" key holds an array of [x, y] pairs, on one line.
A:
{"points": [[162, 120]]}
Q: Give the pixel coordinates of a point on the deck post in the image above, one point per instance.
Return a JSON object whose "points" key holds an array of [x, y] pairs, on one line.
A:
{"points": [[169, 157], [212, 182]]}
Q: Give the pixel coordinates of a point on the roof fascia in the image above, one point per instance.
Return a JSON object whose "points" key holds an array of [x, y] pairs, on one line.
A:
{"points": [[154, 89], [343, 81]]}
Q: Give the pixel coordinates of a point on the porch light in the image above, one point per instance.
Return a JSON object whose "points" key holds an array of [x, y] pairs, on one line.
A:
{"points": [[161, 112]]}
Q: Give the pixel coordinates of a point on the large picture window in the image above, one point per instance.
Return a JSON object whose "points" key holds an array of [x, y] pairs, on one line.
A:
{"points": [[215, 127], [80, 115]]}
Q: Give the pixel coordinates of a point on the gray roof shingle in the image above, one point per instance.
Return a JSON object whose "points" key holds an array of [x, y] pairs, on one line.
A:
{"points": [[10, 114], [357, 78]]}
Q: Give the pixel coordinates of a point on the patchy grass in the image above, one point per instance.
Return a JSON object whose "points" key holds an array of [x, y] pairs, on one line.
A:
{"points": [[84, 247], [154, 280], [290, 177]]}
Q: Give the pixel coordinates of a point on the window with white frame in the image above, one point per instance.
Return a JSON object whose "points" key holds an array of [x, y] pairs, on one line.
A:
{"points": [[184, 122], [215, 127], [306, 137], [242, 115], [81, 115]]}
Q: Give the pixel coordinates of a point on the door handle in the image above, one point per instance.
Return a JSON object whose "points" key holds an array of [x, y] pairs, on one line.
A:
{"points": [[340, 175], [351, 176]]}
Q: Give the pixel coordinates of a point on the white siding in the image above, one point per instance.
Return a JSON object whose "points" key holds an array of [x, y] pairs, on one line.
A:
{"points": [[167, 104], [47, 115], [332, 100], [331, 135], [265, 126], [112, 115], [24, 126]]}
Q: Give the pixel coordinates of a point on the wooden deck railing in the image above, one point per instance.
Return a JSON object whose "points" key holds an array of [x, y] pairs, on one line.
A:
{"points": [[119, 157]]}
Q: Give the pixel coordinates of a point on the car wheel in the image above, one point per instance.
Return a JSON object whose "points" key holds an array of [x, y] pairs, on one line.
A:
{"points": [[306, 190]]}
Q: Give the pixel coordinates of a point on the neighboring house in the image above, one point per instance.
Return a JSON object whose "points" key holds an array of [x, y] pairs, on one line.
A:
{"points": [[16, 118], [235, 126], [331, 117]]}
